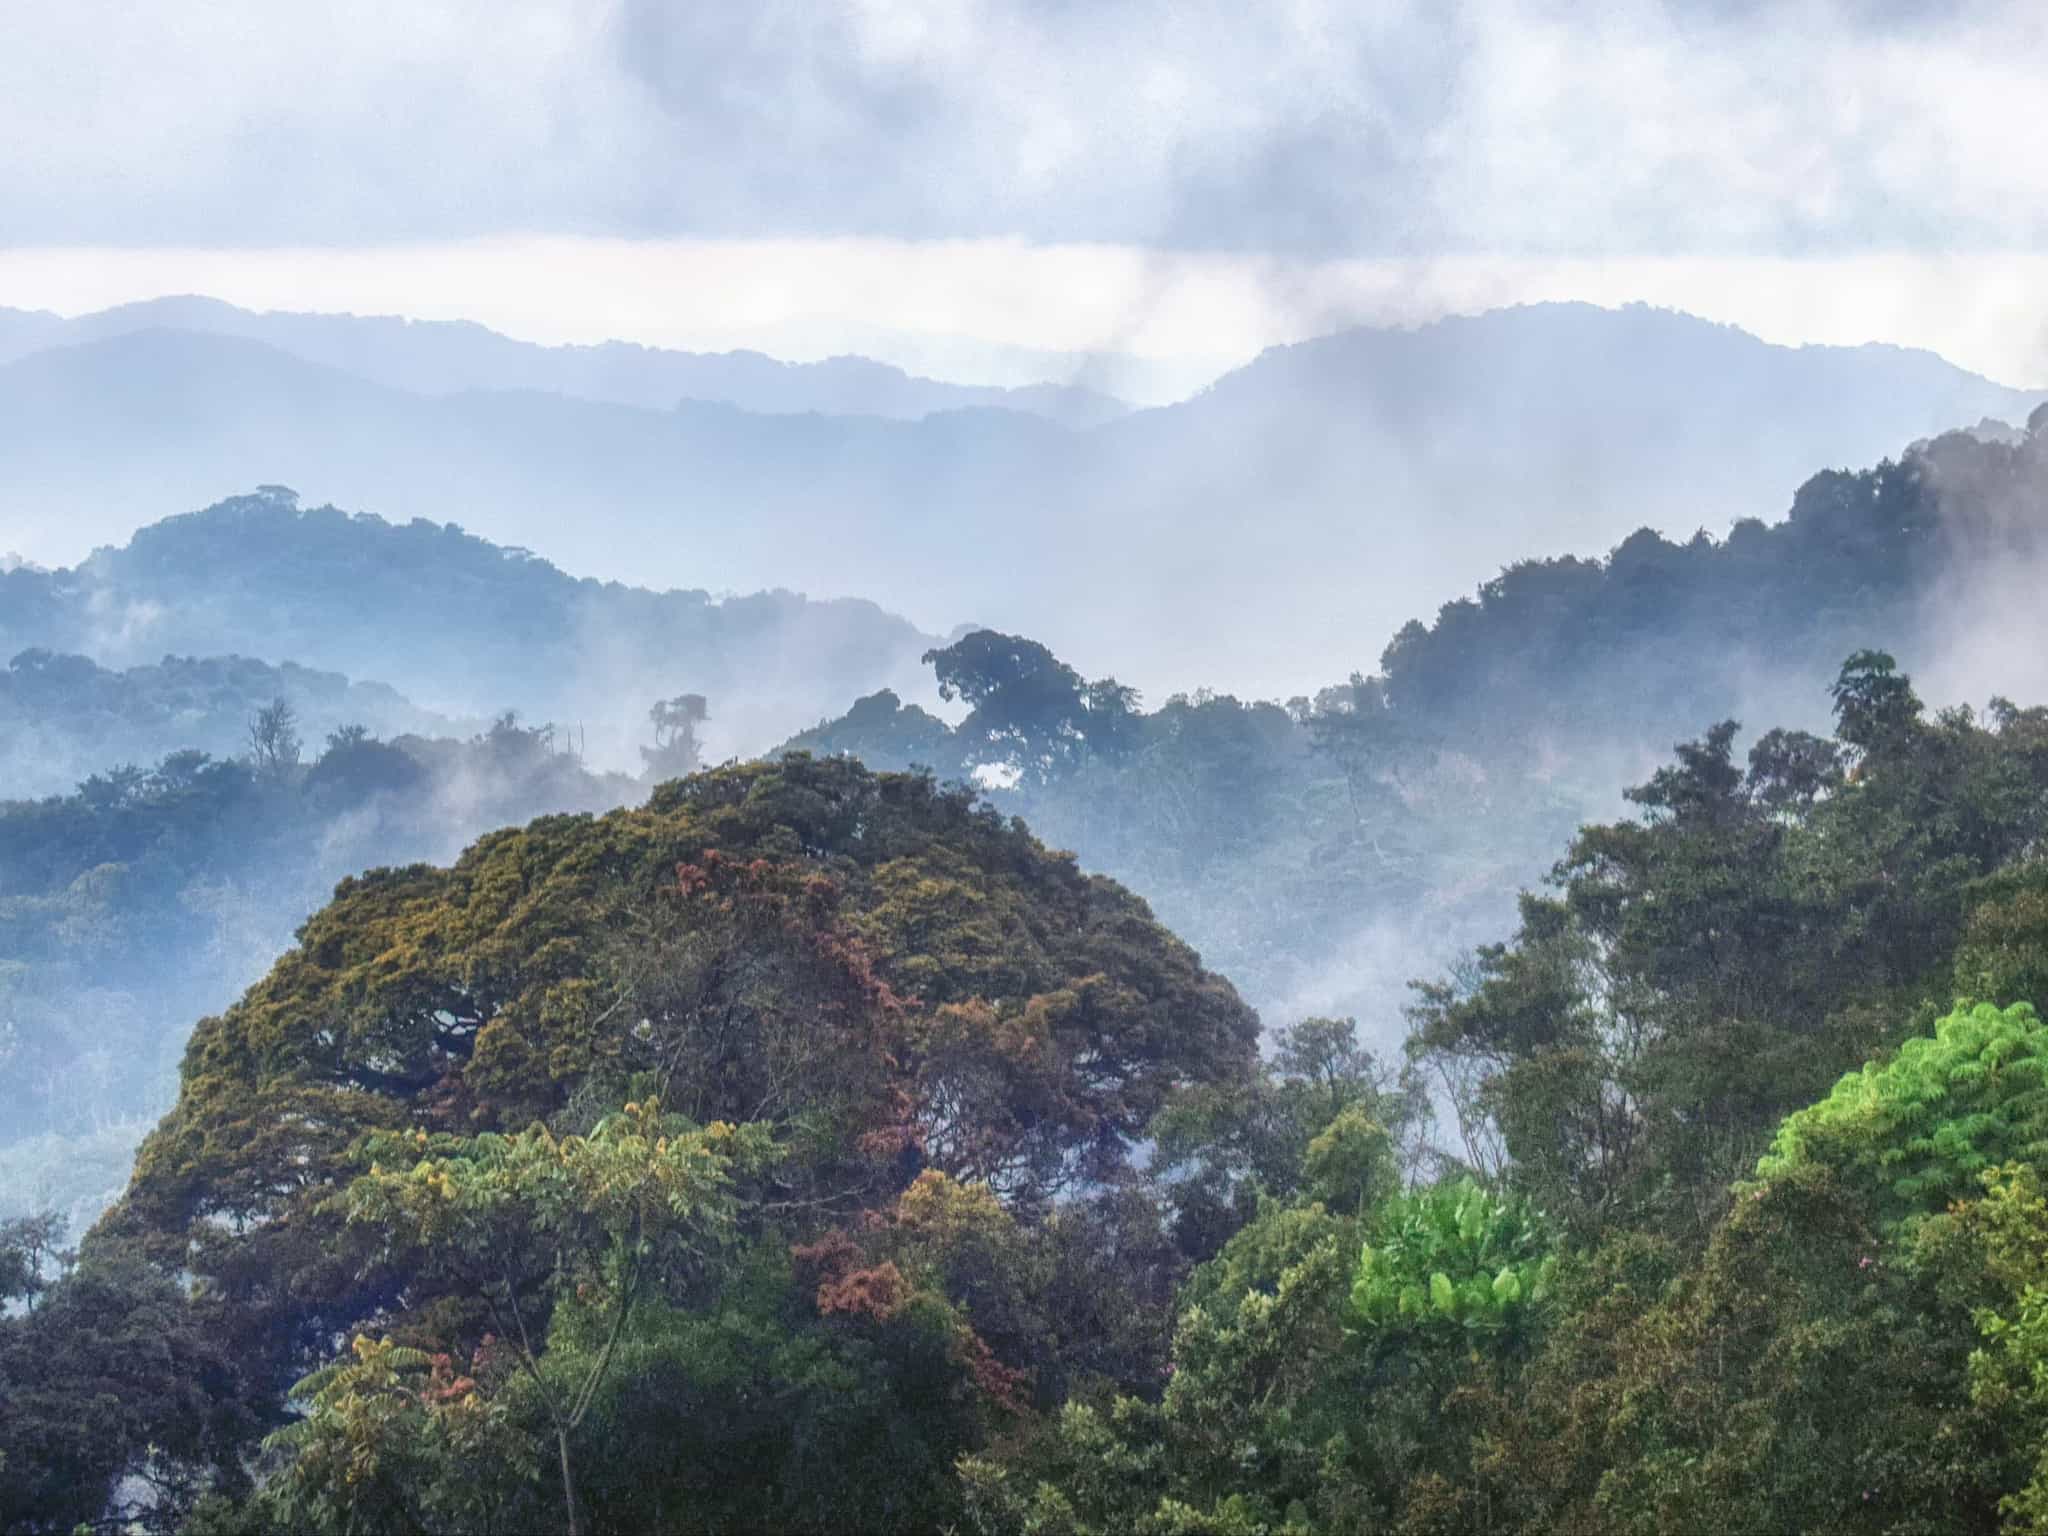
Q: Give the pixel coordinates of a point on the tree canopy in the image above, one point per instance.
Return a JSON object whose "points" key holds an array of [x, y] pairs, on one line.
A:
{"points": [[916, 1004]]}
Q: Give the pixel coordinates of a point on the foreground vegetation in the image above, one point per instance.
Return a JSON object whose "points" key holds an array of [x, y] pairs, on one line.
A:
{"points": [[813, 1150]]}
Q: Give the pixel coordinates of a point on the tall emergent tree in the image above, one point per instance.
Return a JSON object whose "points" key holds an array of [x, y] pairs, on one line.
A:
{"points": [[274, 744], [676, 751]]}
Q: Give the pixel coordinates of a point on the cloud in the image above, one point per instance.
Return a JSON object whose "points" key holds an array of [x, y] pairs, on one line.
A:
{"points": [[1315, 127]]}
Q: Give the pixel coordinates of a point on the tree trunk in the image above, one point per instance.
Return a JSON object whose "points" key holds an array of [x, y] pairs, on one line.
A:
{"points": [[568, 1484]]}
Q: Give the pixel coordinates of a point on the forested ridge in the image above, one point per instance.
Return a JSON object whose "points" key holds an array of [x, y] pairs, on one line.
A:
{"points": [[1241, 538], [64, 717], [1321, 850], [151, 895], [815, 1147], [455, 622]]}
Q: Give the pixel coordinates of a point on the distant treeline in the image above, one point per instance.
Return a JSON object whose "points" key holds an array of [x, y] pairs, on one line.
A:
{"points": [[64, 717]]}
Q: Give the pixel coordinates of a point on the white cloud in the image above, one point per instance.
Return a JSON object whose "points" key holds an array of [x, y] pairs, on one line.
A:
{"points": [[1188, 179], [1410, 127]]}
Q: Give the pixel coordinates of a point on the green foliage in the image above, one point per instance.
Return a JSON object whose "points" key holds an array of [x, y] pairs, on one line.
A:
{"points": [[1350, 1161], [114, 1372], [394, 1440], [2003, 957], [928, 1284], [1729, 1400], [1669, 1021], [1262, 1422], [1846, 1272], [524, 1225], [491, 1200], [734, 1408], [1453, 1257], [1323, 1117], [2009, 1374], [942, 1025], [955, 1039], [1294, 1403], [1707, 969], [757, 1413], [1918, 1130]]}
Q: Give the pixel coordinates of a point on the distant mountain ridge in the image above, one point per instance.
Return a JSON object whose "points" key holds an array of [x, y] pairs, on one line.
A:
{"points": [[1260, 537], [445, 357], [459, 624]]}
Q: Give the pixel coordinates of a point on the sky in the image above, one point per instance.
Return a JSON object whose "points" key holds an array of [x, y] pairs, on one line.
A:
{"points": [[1177, 178]]}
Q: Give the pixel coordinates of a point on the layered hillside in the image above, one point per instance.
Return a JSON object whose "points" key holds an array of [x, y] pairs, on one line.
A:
{"points": [[1325, 850], [1284, 521], [445, 357], [459, 624]]}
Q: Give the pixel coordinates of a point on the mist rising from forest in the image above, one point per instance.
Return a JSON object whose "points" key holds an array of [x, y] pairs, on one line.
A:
{"points": [[1285, 521], [985, 765]]}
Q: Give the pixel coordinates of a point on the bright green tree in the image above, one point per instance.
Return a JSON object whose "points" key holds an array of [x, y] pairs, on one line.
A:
{"points": [[1811, 1369], [1453, 1259]]}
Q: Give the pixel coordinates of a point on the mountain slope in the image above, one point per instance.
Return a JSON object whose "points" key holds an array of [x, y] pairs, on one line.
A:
{"points": [[106, 434], [441, 357], [458, 623], [1323, 853], [1268, 533]]}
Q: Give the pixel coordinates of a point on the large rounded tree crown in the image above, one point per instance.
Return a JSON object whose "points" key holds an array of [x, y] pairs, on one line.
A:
{"points": [[890, 975]]}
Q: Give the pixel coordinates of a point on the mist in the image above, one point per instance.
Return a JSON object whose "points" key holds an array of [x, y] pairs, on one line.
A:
{"points": [[1389, 471], [1013, 767]]}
